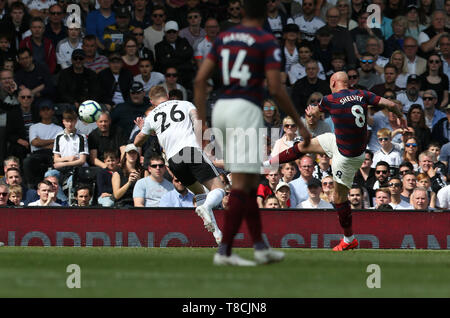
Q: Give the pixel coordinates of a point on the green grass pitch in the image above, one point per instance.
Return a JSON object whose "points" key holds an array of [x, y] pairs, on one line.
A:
{"points": [[188, 272]]}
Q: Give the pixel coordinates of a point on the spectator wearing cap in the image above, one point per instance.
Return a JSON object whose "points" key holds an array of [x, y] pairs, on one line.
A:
{"points": [[66, 46], [42, 48], [441, 131], [275, 20], [416, 65], [411, 94], [415, 25], [115, 82], [77, 83], [283, 194], [289, 50], [42, 137], [432, 115], [98, 20], [314, 201], [124, 114], [115, 34], [174, 51]]}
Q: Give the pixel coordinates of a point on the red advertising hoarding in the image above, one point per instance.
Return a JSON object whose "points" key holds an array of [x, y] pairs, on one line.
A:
{"points": [[182, 227]]}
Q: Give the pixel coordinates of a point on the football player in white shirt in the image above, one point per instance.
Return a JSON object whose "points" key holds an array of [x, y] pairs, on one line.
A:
{"points": [[174, 122]]}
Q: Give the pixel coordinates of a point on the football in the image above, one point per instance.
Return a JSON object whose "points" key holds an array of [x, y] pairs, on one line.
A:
{"points": [[89, 111]]}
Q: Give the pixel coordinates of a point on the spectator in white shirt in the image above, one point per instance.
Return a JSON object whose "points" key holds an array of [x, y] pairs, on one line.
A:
{"points": [[46, 193], [387, 152], [66, 46], [314, 201], [443, 198], [395, 188], [147, 77]]}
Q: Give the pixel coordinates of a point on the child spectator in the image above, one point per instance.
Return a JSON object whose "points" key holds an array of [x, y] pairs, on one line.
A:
{"points": [[15, 195], [104, 185], [387, 151], [283, 194], [271, 202]]}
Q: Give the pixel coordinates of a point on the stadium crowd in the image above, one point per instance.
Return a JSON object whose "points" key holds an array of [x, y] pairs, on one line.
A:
{"points": [[50, 64]]}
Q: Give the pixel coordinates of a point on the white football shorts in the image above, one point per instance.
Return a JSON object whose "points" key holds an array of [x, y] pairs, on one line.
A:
{"points": [[343, 168], [238, 127]]}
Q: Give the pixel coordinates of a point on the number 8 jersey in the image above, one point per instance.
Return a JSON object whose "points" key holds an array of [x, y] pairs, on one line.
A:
{"points": [[243, 54], [348, 110], [171, 120]]}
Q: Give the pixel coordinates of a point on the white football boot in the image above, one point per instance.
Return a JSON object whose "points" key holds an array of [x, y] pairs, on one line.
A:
{"points": [[267, 256], [233, 260], [204, 213]]}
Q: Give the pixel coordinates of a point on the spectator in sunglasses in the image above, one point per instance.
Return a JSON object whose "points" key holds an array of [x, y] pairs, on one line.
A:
{"points": [[327, 189], [287, 141], [368, 77], [149, 190], [416, 121], [387, 152], [171, 81], [194, 33], [432, 115], [395, 188], [234, 15], [382, 174], [434, 78], [272, 120], [353, 78], [411, 152]]}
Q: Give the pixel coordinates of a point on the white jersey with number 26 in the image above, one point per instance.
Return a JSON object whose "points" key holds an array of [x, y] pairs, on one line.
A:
{"points": [[173, 126]]}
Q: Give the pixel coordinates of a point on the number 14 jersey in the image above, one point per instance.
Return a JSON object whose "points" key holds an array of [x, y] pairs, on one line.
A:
{"points": [[348, 110], [243, 55], [172, 123]]}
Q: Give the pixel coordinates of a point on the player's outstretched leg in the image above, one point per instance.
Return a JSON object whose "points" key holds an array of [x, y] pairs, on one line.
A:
{"points": [[349, 241], [287, 155], [232, 221], [263, 253], [214, 199]]}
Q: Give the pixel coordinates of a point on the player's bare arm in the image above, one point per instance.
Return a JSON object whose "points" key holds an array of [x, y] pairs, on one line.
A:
{"points": [[278, 92], [200, 84]]}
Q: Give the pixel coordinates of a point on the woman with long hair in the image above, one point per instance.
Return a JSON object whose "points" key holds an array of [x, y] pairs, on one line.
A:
{"points": [[414, 25], [345, 14], [395, 41], [124, 179], [416, 119], [426, 9], [411, 153], [435, 79], [399, 60], [130, 55]]}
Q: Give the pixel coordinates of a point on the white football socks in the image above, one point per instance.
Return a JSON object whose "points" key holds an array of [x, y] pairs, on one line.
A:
{"points": [[348, 239]]}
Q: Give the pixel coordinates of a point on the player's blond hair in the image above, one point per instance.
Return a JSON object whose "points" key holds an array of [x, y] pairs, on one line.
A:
{"points": [[157, 92]]}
